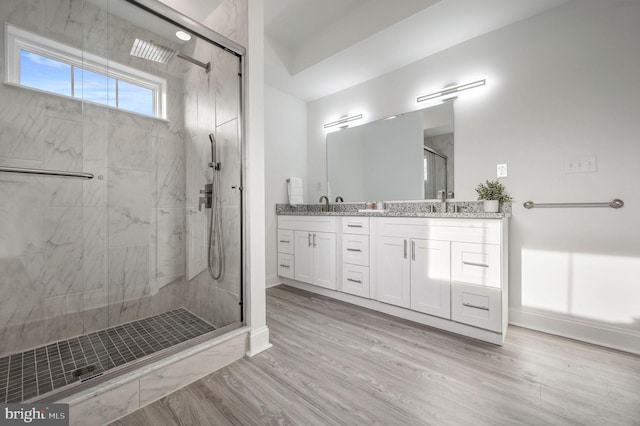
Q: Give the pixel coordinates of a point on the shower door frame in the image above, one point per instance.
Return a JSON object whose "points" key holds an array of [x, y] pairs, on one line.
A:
{"points": [[176, 18]]}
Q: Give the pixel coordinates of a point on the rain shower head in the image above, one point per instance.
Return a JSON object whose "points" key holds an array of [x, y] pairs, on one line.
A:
{"points": [[154, 52]]}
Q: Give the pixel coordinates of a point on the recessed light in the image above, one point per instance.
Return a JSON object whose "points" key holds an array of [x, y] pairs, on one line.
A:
{"points": [[183, 36]]}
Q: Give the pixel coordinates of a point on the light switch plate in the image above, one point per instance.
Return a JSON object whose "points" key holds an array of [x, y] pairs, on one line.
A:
{"points": [[586, 164], [501, 171]]}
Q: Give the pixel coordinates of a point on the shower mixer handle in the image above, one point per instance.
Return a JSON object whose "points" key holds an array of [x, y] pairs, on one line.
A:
{"points": [[207, 199]]}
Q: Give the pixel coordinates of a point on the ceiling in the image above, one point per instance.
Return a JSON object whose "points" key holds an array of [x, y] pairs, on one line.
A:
{"points": [[314, 48]]}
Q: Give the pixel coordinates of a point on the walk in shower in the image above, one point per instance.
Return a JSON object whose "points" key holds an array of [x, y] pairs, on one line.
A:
{"points": [[108, 114]]}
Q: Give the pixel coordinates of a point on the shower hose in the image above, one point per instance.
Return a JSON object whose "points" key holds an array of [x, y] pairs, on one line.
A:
{"points": [[216, 251]]}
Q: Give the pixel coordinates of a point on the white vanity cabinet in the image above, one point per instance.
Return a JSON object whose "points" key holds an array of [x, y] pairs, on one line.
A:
{"points": [[314, 249], [449, 273], [454, 269]]}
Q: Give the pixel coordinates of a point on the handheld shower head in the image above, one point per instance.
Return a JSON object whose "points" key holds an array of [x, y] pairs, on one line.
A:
{"points": [[214, 164]]}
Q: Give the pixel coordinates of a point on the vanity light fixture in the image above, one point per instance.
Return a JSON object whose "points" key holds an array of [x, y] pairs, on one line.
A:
{"points": [[451, 90], [183, 36], [343, 120]]}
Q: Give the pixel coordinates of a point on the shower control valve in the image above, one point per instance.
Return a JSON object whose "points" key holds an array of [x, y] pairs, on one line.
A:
{"points": [[206, 199]]}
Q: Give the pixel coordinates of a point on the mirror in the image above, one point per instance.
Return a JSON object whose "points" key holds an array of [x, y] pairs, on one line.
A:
{"points": [[409, 157]]}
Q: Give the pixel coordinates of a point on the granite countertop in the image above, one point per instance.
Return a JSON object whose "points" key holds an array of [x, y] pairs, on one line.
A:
{"points": [[467, 210]]}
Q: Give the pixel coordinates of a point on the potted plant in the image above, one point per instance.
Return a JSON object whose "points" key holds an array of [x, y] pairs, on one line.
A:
{"points": [[493, 193]]}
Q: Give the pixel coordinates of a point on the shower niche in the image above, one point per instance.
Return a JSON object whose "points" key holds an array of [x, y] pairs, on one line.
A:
{"points": [[102, 272]]}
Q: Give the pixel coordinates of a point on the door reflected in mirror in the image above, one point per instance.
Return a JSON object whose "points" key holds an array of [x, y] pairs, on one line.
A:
{"points": [[410, 157]]}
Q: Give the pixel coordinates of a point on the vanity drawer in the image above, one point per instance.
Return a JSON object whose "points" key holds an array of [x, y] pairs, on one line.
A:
{"points": [[285, 241], [355, 249], [285, 265], [355, 225], [476, 263], [477, 306], [355, 280]]}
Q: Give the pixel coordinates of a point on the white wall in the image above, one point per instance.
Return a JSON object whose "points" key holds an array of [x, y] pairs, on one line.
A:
{"points": [[560, 86], [285, 155]]}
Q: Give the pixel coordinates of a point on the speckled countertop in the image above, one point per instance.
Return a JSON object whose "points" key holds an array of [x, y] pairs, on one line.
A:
{"points": [[466, 209]]}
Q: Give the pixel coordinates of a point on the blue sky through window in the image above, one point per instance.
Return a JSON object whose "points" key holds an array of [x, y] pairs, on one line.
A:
{"points": [[94, 87], [135, 98], [44, 73]]}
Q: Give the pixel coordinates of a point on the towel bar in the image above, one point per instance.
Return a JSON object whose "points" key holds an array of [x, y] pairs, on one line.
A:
{"points": [[614, 204], [44, 172]]}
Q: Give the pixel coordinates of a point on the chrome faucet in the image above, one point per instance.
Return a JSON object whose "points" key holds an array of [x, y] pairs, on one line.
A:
{"points": [[443, 201], [326, 203], [339, 199]]}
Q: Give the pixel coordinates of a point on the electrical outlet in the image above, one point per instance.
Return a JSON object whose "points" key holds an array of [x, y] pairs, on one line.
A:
{"points": [[501, 171], [318, 186]]}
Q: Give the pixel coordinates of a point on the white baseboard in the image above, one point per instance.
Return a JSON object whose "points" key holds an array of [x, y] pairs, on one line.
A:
{"points": [[273, 280], [258, 341], [577, 329]]}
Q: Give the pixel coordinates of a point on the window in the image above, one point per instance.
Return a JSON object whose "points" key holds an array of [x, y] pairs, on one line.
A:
{"points": [[37, 62]]}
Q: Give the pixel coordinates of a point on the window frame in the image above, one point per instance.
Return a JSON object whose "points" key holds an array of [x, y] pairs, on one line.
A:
{"points": [[18, 39]]}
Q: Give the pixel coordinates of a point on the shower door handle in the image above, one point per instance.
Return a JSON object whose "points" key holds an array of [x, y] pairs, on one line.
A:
{"points": [[309, 239]]}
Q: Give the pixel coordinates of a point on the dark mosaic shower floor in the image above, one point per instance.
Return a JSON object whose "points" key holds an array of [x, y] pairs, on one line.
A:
{"points": [[37, 371]]}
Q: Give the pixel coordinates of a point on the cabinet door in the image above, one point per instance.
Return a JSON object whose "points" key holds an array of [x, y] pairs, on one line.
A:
{"points": [[324, 259], [393, 269], [303, 256], [431, 277]]}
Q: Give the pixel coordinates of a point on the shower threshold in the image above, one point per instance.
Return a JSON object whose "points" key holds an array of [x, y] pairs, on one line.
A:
{"points": [[35, 372]]}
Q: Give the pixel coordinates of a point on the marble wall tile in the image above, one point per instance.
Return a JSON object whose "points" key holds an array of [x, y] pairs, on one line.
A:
{"points": [[129, 188], [170, 242], [198, 154], [94, 191], [62, 108], [63, 144], [129, 145], [22, 336], [230, 158], [19, 294], [95, 30], [231, 241], [170, 190], [21, 219], [165, 380], [63, 192], [63, 317], [227, 86], [105, 407], [129, 226], [63, 18], [28, 14], [21, 129], [128, 273], [223, 19], [63, 251], [95, 127], [94, 259], [242, 27], [226, 308]]}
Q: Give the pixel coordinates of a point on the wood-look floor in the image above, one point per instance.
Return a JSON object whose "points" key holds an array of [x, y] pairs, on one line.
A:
{"points": [[337, 364]]}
